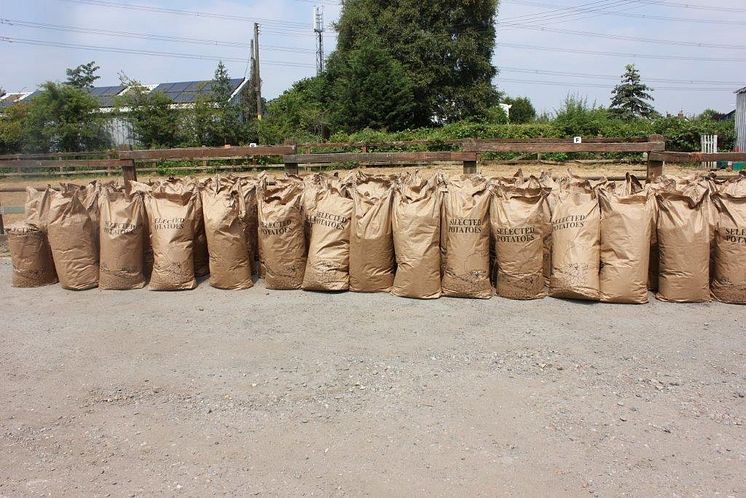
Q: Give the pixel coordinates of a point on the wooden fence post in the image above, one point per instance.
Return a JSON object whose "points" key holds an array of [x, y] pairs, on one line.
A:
{"points": [[129, 172], [470, 167], [655, 168], [291, 168], [2, 225]]}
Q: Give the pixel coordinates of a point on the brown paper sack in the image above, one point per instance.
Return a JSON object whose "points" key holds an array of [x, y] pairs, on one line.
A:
{"points": [[230, 267], [282, 245], [122, 237], [416, 226], [575, 246], [626, 231], [147, 248], [684, 245], [30, 255], [372, 260], [729, 276], [72, 241], [328, 265], [312, 185], [172, 221], [521, 230], [466, 207], [37, 207], [250, 214]]}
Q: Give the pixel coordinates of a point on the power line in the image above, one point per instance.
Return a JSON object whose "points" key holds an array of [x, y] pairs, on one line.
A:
{"points": [[728, 22], [195, 13], [568, 11], [144, 36], [523, 46], [155, 53], [512, 69], [629, 38], [680, 5], [601, 85]]}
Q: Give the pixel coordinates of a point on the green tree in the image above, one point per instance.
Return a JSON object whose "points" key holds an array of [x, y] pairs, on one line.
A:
{"points": [[299, 113], [12, 128], [631, 98], [521, 111], [444, 46], [368, 88], [64, 118], [577, 117], [227, 128], [83, 76], [154, 121]]}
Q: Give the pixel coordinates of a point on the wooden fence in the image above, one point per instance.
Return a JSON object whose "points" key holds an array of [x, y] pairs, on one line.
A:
{"points": [[129, 162]]}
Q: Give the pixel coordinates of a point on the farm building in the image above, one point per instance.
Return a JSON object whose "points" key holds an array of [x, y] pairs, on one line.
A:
{"points": [[184, 94], [741, 119]]}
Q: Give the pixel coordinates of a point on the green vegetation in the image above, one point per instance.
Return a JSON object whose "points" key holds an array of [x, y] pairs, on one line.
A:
{"points": [[631, 98]]}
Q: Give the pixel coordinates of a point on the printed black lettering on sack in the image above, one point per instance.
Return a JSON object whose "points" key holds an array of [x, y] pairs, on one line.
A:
{"points": [[735, 235], [168, 223], [119, 228], [516, 235], [574, 221], [329, 220], [275, 227], [464, 225]]}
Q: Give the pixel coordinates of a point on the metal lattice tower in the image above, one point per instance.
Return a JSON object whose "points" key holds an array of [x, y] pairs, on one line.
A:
{"points": [[318, 28]]}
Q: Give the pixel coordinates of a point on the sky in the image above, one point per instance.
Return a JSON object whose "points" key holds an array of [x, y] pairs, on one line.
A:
{"points": [[691, 52]]}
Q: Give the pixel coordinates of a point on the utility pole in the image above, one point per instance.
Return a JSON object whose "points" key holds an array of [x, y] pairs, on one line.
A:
{"points": [[318, 28], [257, 77]]}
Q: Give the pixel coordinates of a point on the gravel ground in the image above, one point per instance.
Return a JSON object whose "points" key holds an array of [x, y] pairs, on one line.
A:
{"points": [[291, 393]]}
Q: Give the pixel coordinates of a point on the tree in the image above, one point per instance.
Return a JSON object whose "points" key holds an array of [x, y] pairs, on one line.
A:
{"points": [[12, 127], [521, 111], [444, 47], [227, 128], [368, 88], [83, 76], [630, 98], [298, 113], [154, 121], [64, 118]]}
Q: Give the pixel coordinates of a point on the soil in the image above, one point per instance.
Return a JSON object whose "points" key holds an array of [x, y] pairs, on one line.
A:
{"points": [[263, 392]]}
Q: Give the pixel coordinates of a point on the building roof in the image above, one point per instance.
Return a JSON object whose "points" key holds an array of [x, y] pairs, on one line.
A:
{"points": [[183, 92], [742, 90], [9, 99], [186, 92]]}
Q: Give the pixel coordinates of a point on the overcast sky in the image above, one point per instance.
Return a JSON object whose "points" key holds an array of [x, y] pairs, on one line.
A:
{"points": [[571, 61]]}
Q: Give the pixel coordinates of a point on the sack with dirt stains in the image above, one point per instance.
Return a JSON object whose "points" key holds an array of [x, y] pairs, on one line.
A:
{"points": [[729, 272], [230, 265], [522, 231], [122, 238], [328, 264], [626, 231], [172, 222], [684, 243], [372, 259], [30, 255], [576, 244], [282, 243], [71, 238], [250, 213], [466, 207], [416, 227]]}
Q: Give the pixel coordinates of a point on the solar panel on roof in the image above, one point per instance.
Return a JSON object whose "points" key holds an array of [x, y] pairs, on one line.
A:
{"points": [[179, 87]]}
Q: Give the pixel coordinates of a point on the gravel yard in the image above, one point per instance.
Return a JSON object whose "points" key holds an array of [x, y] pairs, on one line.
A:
{"points": [[293, 393]]}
